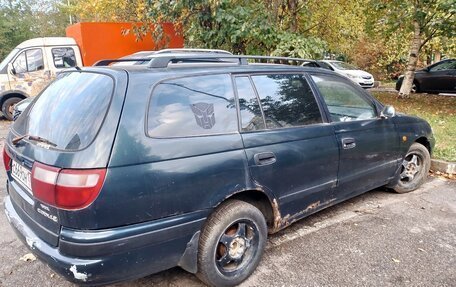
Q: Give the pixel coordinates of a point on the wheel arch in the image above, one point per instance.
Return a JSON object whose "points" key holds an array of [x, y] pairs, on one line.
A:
{"points": [[417, 85], [267, 205], [10, 94], [265, 202], [425, 142]]}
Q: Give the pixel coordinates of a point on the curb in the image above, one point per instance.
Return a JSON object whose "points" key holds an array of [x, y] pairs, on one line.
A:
{"points": [[443, 166], [383, 89]]}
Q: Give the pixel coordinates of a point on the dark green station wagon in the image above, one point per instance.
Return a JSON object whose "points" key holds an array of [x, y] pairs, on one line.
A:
{"points": [[121, 171]]}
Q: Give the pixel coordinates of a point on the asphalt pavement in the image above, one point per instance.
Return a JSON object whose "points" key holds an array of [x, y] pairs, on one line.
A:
{"points": [[376, 239]]}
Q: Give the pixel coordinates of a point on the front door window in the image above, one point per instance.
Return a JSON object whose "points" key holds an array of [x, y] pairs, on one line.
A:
{"points": [[345, 103], [29, 61]]}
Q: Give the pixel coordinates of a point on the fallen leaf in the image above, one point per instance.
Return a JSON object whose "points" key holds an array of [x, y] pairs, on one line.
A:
{"points": [[396, 260], [28, 257]]}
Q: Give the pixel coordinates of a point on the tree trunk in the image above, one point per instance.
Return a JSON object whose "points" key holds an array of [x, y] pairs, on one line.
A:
{"points": [[293, 9], [407, 83]]}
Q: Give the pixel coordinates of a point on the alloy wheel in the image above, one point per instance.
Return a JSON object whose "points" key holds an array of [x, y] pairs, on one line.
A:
{"points": [[237, 247]]}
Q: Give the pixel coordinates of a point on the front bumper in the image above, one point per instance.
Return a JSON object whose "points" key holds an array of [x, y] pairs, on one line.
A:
{"points": [[103, 260], [366, 84]]}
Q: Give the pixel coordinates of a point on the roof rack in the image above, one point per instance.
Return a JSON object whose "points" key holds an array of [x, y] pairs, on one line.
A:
{"points": [[192, 50], [107, 62], [163, 60]]}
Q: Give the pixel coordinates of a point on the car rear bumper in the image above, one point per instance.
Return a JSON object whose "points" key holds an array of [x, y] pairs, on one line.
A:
{"points": [[108, 256]]}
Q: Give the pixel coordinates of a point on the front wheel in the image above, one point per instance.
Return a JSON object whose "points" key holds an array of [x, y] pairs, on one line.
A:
{"points": [[8, 107], [414, 169], [415, 87], [231, 244]]}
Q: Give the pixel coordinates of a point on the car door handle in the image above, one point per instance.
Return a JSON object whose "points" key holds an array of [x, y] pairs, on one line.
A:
{"points": [[348, 143], [264, 158]]}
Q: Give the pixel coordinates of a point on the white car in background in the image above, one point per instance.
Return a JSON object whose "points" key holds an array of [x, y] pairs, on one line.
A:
{"points": [[363, 78]]}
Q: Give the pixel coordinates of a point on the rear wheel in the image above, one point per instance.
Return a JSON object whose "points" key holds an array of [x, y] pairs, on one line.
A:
{"points": [[8, 107], [414, 169], [231, 244]]}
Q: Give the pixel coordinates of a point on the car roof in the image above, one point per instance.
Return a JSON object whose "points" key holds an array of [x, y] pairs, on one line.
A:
{"points": [[178, 70], [47, 41], [202, 63]]}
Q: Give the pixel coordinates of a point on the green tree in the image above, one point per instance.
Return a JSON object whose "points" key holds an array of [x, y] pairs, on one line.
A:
{"points": [[241, 26], [376, 39], [424, 19], [50, 17], [15, 25], [24, 19]]}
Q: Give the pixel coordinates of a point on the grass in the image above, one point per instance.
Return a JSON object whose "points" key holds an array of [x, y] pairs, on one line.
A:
{"points": [[439, 111], [388, 84]]}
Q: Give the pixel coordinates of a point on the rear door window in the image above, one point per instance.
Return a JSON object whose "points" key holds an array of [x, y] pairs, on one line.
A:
{"points": [[287, 100], [192, 106], [251, 116], [70, 112]]}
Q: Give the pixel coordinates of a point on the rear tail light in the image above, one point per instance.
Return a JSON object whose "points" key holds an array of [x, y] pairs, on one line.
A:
{"points": [[6, 159], [78, 188], [66, 188], [44, 179]]}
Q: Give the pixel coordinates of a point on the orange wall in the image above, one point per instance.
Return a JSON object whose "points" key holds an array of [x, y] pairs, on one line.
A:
{"points": [[99, 41]]}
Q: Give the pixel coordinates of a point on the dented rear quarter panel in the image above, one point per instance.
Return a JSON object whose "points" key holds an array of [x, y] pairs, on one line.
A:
{"points": [[152, 178]]}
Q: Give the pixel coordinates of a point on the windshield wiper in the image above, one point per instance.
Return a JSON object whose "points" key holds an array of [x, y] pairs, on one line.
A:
{"points": [[16, 140]]}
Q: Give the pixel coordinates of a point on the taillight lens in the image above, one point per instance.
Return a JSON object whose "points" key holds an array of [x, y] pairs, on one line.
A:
{"points": [[44, 179], [6, 159], [66, 188], [78, 188]]}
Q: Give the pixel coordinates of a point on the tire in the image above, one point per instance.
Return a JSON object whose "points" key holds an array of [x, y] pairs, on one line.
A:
{"points": [[414, 169], [399, 84], [231, 244], [7, 107], [415, 87]]}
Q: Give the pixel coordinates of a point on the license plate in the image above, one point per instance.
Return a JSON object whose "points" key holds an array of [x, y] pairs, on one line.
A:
{"points": [[22, 175]]}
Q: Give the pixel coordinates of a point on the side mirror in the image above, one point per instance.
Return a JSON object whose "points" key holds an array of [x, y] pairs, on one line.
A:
{"points": [[11, 69], [388, 112]]}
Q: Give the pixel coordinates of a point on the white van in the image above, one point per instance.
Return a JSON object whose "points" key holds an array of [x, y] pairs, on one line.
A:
{"points": [[31, 66]]}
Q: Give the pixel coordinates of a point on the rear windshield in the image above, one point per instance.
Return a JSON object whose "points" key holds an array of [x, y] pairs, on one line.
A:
{"points": [[70, 111]]}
